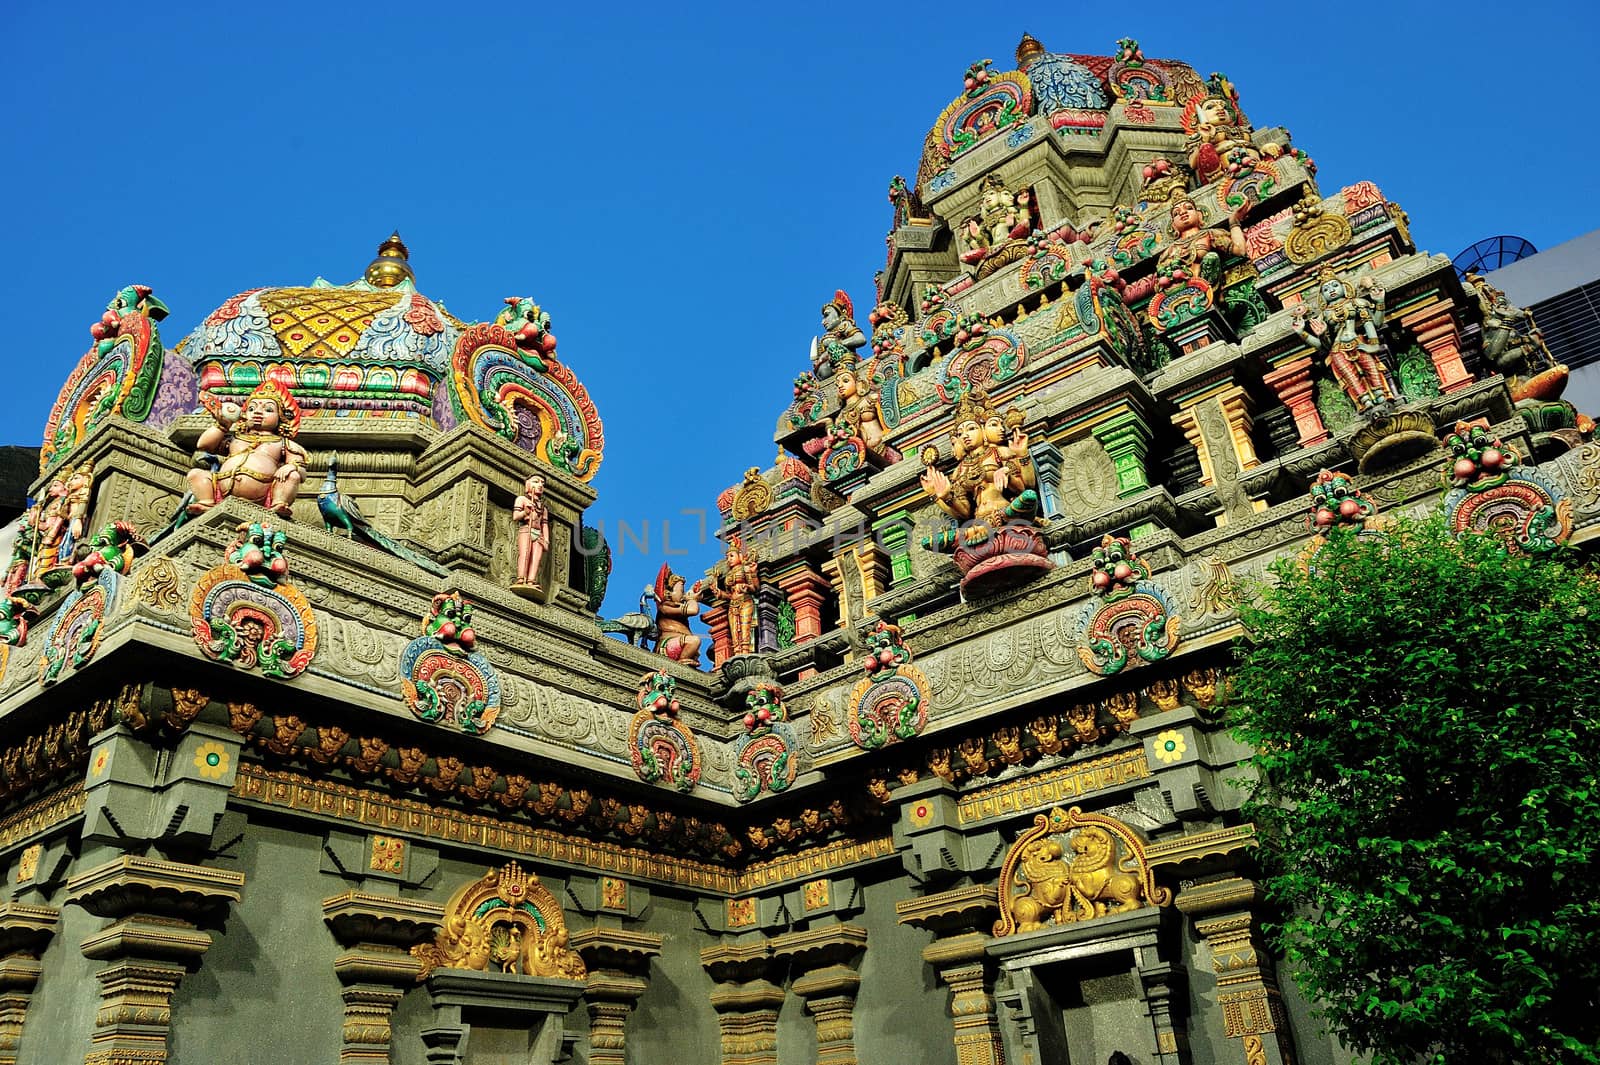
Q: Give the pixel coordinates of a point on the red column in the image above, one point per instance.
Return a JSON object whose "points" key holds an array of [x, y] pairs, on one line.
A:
{"points": [[1436, 330], [1292, 383]]}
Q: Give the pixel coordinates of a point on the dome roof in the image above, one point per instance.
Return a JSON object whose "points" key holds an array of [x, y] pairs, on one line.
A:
{"points": [[348, 349]]}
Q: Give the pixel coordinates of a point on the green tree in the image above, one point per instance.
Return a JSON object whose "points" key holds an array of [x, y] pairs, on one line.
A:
{"points": [[1424, 712]]}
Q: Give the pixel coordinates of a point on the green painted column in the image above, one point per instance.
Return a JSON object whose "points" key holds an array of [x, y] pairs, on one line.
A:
{"points": [[894, 533], [1126, 439]]}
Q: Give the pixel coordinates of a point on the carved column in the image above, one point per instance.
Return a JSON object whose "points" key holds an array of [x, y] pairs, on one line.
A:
{"points": [[1247, 988], [376, 970], [961, 919], [746, 1000], [768, 600], [824, 964], [894, 533], [24, 932], [1126, 439], [807, 591], [716, 619], [1240, 418], [1292, 383], [619, 967], [1047, 467], [155, 907], [872, 562], [1436, 330]]}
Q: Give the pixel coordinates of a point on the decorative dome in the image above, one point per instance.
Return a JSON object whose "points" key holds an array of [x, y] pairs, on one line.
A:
{"points": [[379, 348], [350, 350]]}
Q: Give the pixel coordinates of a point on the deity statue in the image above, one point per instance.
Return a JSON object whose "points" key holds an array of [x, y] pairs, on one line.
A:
{"points": [[1513, 344], [80, 487], [993, 482], [737, 586], [858, 412], [21, 553], [674, 608], [1003, 216], [259, 461], [840, 340], [51, 551], [1219, 136], [1345, 327], [1196, 252], [532, 516]]}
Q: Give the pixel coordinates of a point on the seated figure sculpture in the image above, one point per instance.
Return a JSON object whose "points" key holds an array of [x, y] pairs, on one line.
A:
{"points": [[992, 494], [254, 450]]}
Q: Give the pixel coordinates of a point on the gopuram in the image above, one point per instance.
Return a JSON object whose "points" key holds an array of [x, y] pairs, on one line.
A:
{"points": [[316, 748]]}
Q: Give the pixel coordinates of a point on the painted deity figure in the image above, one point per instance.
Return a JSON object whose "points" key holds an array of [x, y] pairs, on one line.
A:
{"points": [[1219, 137], [79, 489], [532, 516], [993, 482], [1345, 328], [1196, 252], [674, 607], [255, 451], [1003, 216], [737, 587], [21, 552], [858, 409], [1513, 344], [840, 340]]}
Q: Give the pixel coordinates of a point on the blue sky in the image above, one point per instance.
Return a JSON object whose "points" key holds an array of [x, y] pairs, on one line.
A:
{"points": [[680, 187]]}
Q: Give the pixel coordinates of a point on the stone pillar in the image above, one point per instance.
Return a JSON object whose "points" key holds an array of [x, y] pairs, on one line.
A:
{"points": [[1240, 418], [716, 619], [833, 569], [807, 592], [1247, 988], [746, 1000], [768, 599], [823, 964], [376, 968], [619, 968], [1291, 381], [872, 562], [894, 534], [24, 932], [1436, 330], [1047, 467], [1126, 439], [155, 907], [961, 919]]}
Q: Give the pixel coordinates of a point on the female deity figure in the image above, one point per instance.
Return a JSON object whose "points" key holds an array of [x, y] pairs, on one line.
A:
{"points": [[532, 516], [674, 608], [993, 483], [259, 460], [1195, 250], [737, 587], [840, 340], [79, 487], [858, 409], [1346, 328]]}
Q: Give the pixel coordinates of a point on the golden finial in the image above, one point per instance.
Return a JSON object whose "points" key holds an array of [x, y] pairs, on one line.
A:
{"points": [[392, 265], [1028, 49]]}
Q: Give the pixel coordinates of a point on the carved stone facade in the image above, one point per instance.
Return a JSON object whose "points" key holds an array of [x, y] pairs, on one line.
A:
{"points": [[908, 816]]}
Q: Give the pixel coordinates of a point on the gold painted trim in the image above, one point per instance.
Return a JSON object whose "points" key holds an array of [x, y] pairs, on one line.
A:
{"points": [[1053, 787]]}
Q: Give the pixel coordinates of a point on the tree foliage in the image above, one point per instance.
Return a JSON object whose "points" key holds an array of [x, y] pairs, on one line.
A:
{"points": [[1423, 709]]}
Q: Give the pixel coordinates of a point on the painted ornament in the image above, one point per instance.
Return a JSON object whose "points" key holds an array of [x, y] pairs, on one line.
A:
{"points": [[74, 633], [443, 676], [1133, 624], [660, 746], [765, 757], [244, 612], [1491, 493], [891, 703]]}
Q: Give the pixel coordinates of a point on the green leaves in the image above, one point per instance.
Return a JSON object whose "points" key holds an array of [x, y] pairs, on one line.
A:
{"points": [[1426, 793]]}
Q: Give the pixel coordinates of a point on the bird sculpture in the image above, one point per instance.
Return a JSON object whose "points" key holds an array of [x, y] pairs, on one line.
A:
{"points": [[340, 512]]}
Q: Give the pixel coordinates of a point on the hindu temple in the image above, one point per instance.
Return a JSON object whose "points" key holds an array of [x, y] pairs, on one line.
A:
{"points": [[315, 735]]}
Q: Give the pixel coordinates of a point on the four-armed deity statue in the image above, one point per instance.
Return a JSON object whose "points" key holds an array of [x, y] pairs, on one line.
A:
{"points": [[1345, 329]]}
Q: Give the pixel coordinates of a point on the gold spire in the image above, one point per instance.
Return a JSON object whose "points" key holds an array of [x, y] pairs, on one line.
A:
{"points": [[391, 266], [1028, 49]]}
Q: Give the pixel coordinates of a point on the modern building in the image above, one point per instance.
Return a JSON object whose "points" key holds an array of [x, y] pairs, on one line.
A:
{"points": [[1561, 289], [316, 750]]}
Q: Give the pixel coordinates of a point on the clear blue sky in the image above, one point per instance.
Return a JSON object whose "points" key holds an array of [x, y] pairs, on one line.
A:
{"points": [[681, 188]]}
